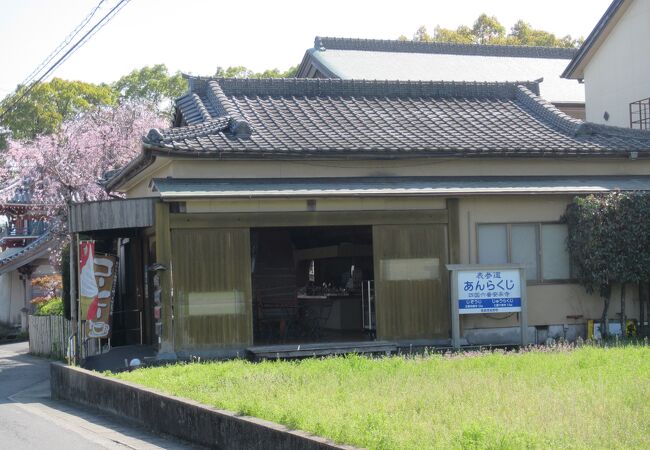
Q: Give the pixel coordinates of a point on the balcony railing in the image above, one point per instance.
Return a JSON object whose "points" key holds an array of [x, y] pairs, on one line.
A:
{"points": [[640, 114], [32, 230]]}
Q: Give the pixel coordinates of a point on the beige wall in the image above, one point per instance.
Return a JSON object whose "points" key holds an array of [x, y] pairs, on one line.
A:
{"points": [[325, 204], [619, 70], [504, 209], [548, 304], [139, 187]]}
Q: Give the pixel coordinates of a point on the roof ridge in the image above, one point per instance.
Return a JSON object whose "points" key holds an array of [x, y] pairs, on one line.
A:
{"points": [[238, 126], [30, 248], [589, 128], [370, 88], [201, 129], [201, 107], [575, 127], [384, 45], [547, 111], [221, 103]]}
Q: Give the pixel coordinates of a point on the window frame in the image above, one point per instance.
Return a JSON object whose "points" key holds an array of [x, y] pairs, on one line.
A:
{"points": [[539, 279]]}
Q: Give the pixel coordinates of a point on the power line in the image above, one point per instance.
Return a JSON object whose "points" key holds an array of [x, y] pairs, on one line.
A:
{"points": [[93, 31], [99, 25], [63, 44]]}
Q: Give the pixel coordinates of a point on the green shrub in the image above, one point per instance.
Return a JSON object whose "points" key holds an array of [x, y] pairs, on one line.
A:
{"points": [[52, 307]]}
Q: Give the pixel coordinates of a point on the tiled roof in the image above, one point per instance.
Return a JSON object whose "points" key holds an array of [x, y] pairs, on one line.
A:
{"points": [[299, 118], [434, 61], [178, 188], [39, 248], [16, 191], [394, 46]]}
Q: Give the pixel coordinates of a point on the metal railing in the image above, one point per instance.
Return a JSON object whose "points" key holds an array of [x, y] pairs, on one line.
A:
{"points": [[640, 114], [32, 230]]}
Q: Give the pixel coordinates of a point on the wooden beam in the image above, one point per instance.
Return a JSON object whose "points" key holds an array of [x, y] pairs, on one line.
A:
{"points": [[297, 219], [164, 257], [453, 230], [333, 251], [112, 214]]}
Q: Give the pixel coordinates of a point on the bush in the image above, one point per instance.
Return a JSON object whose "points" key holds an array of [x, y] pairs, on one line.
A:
{"points": [[51, 307]]}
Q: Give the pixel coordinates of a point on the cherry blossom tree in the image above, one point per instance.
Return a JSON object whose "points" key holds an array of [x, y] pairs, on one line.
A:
{"points": [[68, 166]]}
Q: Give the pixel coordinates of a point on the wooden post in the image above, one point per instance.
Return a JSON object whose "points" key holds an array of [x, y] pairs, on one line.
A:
{"points": [[523, 315], [73, 278], [453, 230], [74, 310], [455, 317], [164, 257]]}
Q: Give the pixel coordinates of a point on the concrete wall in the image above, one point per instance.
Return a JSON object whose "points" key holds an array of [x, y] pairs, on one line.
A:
{"points": [[619, 70], [185, 419]]}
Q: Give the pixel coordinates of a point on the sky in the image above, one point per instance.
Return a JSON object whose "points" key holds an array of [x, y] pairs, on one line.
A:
{"points": [[196, 36]]}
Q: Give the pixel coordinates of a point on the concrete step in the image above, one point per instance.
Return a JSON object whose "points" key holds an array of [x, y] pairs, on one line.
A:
{"points": [[289, 351]]}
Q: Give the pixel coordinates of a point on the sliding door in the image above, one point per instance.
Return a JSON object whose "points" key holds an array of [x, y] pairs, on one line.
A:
{"points": [[411, 281], [212, 288]]}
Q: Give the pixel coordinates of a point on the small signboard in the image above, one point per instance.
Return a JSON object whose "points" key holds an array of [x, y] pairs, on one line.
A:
{"points": [[485, 289], [489, 291]]}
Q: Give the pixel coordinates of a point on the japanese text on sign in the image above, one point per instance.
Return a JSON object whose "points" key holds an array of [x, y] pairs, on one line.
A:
{"points": [[489, 291]]}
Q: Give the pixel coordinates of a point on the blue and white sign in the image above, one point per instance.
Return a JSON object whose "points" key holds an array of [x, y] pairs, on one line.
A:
{"points": [[494, 291]]}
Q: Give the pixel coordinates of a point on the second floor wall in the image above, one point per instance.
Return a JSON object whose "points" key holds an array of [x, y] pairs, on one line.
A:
{"points": [[619, 71]]}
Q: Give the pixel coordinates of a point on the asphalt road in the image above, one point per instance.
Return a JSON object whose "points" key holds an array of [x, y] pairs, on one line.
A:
{"points": [[29, 419]]}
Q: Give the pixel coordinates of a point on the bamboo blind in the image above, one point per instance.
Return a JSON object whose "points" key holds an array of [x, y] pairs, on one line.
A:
{"points": [[411, 308], [212, 288]]}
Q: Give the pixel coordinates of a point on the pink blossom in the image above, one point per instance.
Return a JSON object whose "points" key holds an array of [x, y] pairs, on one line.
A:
{"points": [[68, 166]]}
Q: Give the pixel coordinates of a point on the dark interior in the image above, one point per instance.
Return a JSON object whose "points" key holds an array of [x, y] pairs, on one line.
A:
{"points": [[308, 284]]}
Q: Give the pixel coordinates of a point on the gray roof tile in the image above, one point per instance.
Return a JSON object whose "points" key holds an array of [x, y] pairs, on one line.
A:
{"points": [[358, 118], [444, 48], [435, 61]]}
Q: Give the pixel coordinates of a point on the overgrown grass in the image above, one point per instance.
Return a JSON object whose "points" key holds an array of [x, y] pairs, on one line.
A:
{"points": [[587, 397]]}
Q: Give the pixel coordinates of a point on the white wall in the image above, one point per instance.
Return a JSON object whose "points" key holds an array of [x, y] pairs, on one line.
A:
{"points": [[12, 295], [619, 71]]}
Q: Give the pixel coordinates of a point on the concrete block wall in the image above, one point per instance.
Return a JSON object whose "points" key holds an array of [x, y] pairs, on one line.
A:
{"points": [[178, 417]]}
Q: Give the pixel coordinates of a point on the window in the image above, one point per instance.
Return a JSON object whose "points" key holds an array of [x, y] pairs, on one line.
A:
{"points": [[541, 247], [410, 269]]}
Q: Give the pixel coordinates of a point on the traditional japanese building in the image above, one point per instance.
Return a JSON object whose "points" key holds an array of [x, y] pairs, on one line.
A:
{"points": [[374, 59], [24, 253], [325, 210]]}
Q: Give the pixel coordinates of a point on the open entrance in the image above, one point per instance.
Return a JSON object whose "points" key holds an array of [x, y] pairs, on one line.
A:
{"points": [[132, 313], [312, 284]]}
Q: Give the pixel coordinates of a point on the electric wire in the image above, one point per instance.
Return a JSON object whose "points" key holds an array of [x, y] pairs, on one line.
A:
{"points": [[63, 44], [117, 9], [98, 26]]}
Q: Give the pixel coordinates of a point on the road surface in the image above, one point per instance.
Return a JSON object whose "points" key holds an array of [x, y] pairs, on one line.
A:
{"points": [[29, 419]]}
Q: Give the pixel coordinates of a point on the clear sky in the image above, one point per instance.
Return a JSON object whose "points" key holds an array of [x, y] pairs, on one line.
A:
{"points": [[196, 36]]}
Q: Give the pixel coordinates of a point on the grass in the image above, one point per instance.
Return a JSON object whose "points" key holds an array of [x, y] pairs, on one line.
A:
{"points": [[589, 397]]}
